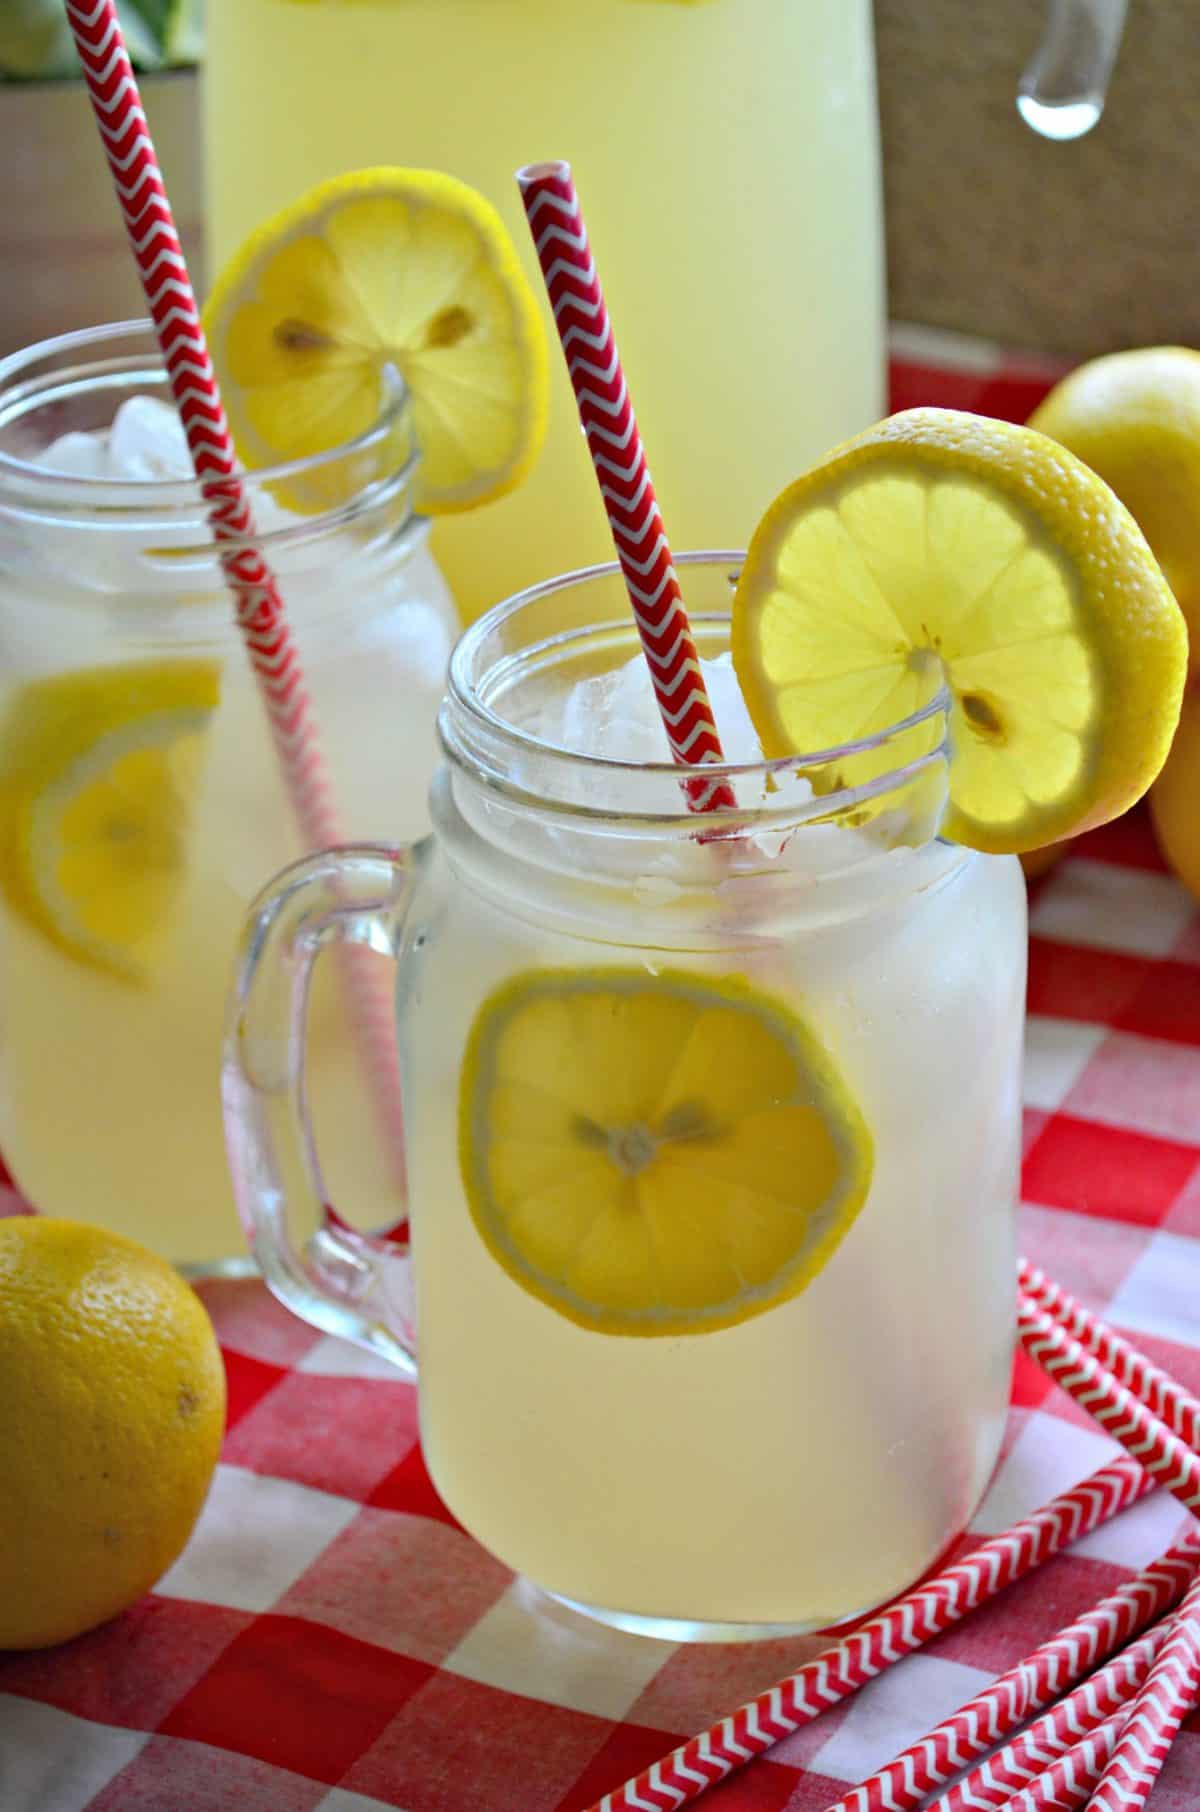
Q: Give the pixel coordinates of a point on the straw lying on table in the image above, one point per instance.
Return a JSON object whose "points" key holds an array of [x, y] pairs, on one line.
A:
{"points": [[1106, 1695], [1071, 1777], [1071, 1780], [258, 605], [606, 413], [1150, 1441], [1161, 1705], [993, 1714], [1160, 1394], [1115, 1766], [904, 1627], [937, 1757]]}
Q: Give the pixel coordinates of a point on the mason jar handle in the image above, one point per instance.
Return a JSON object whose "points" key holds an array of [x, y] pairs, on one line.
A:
{"points": [[343, 1281]]}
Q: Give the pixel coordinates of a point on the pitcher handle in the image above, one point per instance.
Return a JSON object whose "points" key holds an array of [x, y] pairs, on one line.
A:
{"points": [[343, 1281]]}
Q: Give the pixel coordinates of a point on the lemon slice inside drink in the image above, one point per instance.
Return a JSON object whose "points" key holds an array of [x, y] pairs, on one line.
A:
{"points": [[939, 545], [407, 270], [99, 772], [656, 1154]]}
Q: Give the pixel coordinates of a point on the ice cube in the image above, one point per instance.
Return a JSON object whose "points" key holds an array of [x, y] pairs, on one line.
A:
{"points": [[612, 715], [147, 441], [739, 738], [615, 715], [76, 455]]}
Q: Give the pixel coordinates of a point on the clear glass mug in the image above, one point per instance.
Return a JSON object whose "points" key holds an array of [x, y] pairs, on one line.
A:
{"points": [[140, 797], [727, 155], [785, 1468]]}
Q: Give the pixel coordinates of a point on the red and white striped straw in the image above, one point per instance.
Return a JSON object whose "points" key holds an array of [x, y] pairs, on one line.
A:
{"points": [[258, 605], [1070, 1781], [1159, 1709], [602, 396], [905, 1626], [1107, 1694], [1170, 1460], [172, 305], [1057, 1664], [1160, 1393]]}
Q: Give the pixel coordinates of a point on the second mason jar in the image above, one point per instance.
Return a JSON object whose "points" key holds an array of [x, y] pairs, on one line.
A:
{"points": [[141, 798]]}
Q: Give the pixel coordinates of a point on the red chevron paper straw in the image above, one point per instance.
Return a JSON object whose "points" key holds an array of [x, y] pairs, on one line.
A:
{"points": [[172, 305], [1032, 1684], [1160, 1708], [1170, 1460], [905, 1626], [1071, 1780], [258, 606], [1160, 1393], [560, 237], [1108, 1694]]}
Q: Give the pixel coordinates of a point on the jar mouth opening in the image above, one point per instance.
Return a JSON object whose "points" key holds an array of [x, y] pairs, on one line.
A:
{"points": [[539, 628], [121, 359]]}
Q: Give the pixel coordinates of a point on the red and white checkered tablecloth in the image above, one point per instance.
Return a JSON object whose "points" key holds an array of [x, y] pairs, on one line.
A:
{"points": [[331, 1640]]}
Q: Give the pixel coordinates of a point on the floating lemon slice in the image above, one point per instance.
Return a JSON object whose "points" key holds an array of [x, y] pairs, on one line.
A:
{"points": [[941, 544], [656, 1154], [98, 774], [406, 269]]}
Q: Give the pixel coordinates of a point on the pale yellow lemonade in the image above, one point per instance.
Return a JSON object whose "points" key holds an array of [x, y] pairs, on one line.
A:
{"points": [[726, 156], [701, 1472], [129, 858], [109, 1106]]}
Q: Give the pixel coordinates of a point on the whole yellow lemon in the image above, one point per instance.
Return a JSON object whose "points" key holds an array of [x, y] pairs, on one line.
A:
{"points": [[113, 1395], [1134, 417]]}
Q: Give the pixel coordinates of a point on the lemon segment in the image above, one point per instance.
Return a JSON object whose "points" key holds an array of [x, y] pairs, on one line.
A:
{"points": [[939, 545], [99, 772], [656, 1154], [383, 269]]}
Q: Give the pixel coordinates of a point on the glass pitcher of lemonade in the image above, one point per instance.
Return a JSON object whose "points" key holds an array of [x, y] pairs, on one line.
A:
{"points": [[713, 1140], [727, 152]]}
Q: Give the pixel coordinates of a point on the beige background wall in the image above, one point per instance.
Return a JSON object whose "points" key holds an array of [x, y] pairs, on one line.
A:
{"points": [[1072, 248]]}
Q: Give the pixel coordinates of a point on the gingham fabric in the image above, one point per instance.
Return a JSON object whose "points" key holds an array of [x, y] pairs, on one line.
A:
{"points": [[331, 1640]]}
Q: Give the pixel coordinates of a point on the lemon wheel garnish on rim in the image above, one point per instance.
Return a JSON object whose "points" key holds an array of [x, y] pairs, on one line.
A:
{"points": [[944, 542], [99, 771], [656, 1154], [407, 269]]}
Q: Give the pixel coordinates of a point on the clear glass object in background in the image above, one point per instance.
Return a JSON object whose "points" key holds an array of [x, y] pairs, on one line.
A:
{"points": [[1062, 92]]}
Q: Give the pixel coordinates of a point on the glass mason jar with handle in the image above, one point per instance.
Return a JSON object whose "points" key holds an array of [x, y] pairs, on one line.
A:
{"points": [[140, 795], [713, 1138]]}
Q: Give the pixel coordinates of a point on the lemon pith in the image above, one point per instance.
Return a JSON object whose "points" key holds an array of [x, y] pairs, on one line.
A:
{"points": [[99, 771], [996, 554], [656, 1155], [408, 269]]}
